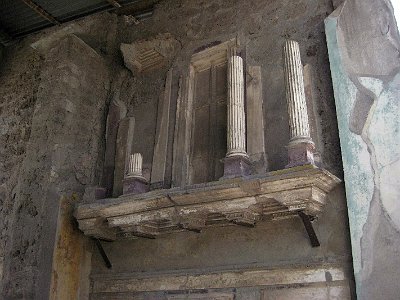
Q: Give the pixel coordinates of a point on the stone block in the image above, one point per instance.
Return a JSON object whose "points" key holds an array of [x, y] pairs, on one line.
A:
{"points": [[135, 185], [236, 166]]}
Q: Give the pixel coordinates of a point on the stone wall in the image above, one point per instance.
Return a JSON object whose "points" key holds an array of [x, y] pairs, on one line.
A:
{"points": [[183, 264], [68, 84], [19, 80], [55, 146], [364, 45]]}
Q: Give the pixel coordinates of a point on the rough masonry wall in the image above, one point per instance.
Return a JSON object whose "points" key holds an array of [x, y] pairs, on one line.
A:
{"points": [[64, 111], [19, 81], [68, 131]]}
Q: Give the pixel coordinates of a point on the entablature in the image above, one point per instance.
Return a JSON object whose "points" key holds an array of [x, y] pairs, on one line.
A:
{"points": [[237, 201]]}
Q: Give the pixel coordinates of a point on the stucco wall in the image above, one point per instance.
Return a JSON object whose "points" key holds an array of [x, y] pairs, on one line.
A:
{"points": [[364, 45]]}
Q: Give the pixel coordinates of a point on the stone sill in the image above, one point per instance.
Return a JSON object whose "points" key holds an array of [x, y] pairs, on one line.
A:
{"points": [[239, 201]]}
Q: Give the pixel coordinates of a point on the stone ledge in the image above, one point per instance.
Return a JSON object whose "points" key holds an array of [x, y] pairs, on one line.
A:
{"points": [[263, 277], [241, 201]]}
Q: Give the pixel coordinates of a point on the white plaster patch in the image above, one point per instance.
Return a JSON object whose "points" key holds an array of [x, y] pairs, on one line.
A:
{"points": [[373, 84], [384, 133], [390, 191]]}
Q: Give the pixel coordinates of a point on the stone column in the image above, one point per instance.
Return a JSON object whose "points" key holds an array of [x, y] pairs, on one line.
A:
{"points": [[135, 165], [134, 182], [301, 146], [236, 162]]}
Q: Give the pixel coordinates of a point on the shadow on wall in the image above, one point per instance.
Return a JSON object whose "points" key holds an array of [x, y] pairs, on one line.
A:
{"points": [[367, 92]]}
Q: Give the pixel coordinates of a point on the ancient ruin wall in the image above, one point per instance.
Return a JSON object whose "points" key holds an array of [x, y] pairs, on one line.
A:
{"points": [[72, 113]]}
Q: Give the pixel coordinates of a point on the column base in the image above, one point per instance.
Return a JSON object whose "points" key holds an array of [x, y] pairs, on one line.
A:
{"points": [[93, 193], [135, 185], [236, 166], [300, 153]]}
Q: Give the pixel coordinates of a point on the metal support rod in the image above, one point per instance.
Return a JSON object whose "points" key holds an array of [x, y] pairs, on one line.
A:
{"points": [[103, 254], [309, 228], [114, 3]]}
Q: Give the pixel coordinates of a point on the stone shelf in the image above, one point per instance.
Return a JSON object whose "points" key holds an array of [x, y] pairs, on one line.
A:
{"points": [[241, 201]]}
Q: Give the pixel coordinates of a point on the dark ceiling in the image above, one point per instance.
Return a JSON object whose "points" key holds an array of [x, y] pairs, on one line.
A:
{"points": [[19, 18]]}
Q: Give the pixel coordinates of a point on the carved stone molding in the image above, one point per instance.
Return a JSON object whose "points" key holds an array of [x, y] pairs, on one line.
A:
{"points": [[239, 201], [146, 55]]}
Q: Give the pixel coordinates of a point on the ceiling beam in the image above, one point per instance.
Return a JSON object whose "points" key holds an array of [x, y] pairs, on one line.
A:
{"points": [[5, 38], [41, 12], [114, 3]]}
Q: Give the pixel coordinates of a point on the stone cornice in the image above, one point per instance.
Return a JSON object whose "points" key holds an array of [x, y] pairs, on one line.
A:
{"points": [[241, 201]]}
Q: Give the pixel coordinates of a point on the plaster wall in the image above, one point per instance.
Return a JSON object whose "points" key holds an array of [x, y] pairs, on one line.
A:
{"points": [[364, 45]]}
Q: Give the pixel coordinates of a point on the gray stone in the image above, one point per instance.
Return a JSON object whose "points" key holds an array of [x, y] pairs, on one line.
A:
{"points": [[123, 150], [255, 120]]}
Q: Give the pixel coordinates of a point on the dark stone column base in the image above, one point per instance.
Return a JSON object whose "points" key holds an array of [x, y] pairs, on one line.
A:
{"points": [[236, 166], [300, 153], [135, 185]]}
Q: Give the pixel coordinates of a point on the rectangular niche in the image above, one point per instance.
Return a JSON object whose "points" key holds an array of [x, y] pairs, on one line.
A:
{"points": [[209, 113]]}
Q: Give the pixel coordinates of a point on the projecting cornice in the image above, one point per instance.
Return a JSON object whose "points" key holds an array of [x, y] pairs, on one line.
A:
{"points": [[240, 201]]}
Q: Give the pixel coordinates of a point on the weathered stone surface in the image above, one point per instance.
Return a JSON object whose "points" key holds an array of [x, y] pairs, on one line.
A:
{"points": [[19, 81], [255, 120], [314, 292], [236, 166], [135, 185], [261, 26], [145, 55], [240, 202], [116, 112], [60, 159], [301, 147], [158, 172], [72, 257], [224, 279], [125, 138], [135, 165], [236, 127], [93, 193], [312, 104]]}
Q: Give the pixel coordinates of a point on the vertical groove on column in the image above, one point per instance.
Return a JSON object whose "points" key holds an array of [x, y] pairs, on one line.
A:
{"points": [[295, 96], [135, 164], [236, 142]]}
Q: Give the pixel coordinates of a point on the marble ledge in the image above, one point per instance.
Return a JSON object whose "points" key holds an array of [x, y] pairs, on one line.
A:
{"points": [[238, 201]]}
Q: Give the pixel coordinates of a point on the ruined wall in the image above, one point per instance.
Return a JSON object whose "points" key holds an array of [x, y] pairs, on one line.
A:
{"points": [[68, 125], [364, 46], [55, 146], [143, 267], [19, 81]]}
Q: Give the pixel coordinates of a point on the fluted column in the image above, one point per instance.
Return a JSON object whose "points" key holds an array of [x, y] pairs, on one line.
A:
{"points": [[236, 162], [135, 165], [301, 146], [236, 116], [134, 182]]}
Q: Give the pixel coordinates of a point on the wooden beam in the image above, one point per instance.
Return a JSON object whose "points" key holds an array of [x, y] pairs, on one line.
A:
{"points": [[114, 3], [41, 12], [5, 38]]}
